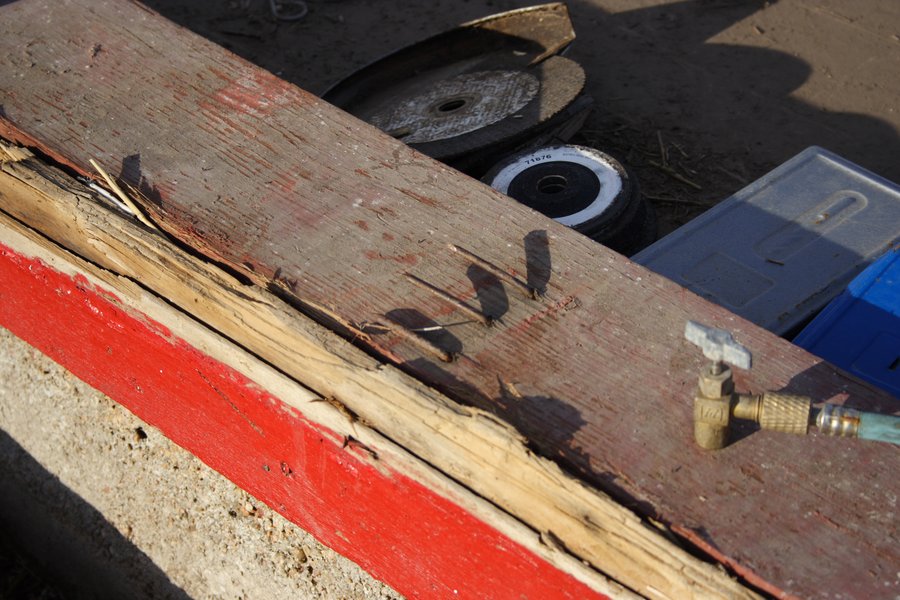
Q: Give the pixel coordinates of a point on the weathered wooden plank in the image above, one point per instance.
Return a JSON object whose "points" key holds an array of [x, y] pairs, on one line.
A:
{"points": [[262, 176], [359, 493], [481, 453]]}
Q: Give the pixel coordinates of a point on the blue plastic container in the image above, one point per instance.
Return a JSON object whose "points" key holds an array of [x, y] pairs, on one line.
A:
{"points": [[859, 330]]}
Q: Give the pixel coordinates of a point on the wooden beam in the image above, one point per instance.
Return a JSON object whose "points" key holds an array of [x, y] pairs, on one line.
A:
{"points": [[301, 454], [473, 447], [343, 222]]}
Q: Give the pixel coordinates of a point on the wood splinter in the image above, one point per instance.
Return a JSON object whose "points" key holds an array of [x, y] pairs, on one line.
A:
{"points": [[339, 406], [352, 442], [10, 153], [527, 290], [456, 302], [123, 196]]}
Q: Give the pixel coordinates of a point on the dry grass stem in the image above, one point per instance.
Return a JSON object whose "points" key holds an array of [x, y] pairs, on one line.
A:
{"points": [[675, 174], [663, 153], [123, 196]]}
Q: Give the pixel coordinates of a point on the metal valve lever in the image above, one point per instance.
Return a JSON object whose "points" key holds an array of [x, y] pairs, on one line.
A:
{"points": [[716, 403], [718, 346]]}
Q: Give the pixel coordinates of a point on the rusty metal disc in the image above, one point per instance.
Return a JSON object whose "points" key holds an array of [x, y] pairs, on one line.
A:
{"points": [[474, 114]]}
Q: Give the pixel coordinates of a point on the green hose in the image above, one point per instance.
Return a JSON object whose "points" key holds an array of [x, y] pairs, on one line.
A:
{"points": [[881, 428], [849, 422]]}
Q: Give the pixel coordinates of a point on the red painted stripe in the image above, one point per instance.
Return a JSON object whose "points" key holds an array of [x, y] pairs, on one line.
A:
{"points": [[398, 530]]}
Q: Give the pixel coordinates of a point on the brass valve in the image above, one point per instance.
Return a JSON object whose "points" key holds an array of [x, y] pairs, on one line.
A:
{"points": [[716, 403]]}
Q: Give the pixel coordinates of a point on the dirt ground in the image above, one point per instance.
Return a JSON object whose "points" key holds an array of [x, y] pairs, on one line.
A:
{"points": [[698, 98], [95, 503]]}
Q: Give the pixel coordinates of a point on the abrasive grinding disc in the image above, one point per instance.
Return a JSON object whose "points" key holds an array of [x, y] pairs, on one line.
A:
{"points": [[456, 105], [472, 94], [582, 188]]}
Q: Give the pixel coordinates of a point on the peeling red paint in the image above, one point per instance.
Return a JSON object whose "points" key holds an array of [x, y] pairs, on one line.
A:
{"points": [[420, 198], [11, 132], [255, 93], [400, 531]]}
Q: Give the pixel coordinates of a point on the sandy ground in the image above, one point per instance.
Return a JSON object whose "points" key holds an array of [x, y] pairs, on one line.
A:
{"points": [[115, 510], [719, 92]]}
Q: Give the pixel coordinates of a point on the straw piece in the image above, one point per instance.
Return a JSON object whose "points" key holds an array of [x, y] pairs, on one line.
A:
{"points": [[123, 196]]}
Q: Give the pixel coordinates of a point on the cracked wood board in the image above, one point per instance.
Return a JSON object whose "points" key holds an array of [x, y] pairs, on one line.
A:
{"points": [[471, 446], [336, 217], [339, 479]]}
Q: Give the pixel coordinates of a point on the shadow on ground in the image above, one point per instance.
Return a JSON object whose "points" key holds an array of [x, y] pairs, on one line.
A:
{"points": [[80, 551], [695, 119]]}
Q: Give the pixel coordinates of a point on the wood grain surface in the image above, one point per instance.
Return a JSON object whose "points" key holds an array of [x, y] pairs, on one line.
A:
{"points": [[362, 495], [576, 529], [359, 230]]}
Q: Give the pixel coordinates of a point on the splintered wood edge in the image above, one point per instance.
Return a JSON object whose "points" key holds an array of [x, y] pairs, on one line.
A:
{"points": [[137, 212], [313, 407], [11, 153], [575, 522]]}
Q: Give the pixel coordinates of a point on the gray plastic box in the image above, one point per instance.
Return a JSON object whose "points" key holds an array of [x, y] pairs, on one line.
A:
{"points": [[780, 249]]}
